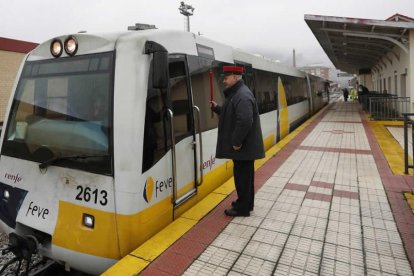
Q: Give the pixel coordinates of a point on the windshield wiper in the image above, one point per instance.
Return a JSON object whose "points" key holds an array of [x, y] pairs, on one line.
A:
{"points": [[56, 159]]}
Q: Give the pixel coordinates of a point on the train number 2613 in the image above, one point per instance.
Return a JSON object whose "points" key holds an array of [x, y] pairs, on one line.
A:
{"points": [[87, 194]]}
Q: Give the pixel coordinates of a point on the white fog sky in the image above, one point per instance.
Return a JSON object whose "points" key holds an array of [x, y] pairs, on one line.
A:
{"points": [[272, 28]]}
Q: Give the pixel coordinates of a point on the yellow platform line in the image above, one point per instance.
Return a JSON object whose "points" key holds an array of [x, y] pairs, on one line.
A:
{"points": [[392, 150], [141, 257]]}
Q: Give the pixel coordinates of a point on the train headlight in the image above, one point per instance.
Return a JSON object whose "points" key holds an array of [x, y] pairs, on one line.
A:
{"points": [[88, 221], [6, 195], [56, 48], [71, 45]]}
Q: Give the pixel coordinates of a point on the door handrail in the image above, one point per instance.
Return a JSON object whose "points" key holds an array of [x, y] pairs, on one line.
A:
{"points": [[197, 109], [173, 156]]}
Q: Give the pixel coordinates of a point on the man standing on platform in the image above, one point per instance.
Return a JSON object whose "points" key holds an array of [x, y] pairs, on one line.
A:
{"points": [[239, 137]]}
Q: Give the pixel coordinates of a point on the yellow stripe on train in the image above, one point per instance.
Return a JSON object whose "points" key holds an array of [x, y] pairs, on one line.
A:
{"points": [[283, 110]]}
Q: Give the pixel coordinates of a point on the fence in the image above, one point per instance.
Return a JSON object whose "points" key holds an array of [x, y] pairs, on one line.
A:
{"points": [[385, 106]]}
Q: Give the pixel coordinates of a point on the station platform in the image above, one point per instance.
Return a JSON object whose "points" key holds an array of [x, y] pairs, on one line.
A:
{"points": [[331, 200]]}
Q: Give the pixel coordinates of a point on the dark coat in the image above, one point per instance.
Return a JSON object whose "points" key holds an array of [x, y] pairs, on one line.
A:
{"points": [[239, 124]]}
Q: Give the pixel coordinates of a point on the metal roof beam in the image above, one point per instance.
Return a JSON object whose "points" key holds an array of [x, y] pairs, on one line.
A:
{"points": [[396, 42], [360, 32]]}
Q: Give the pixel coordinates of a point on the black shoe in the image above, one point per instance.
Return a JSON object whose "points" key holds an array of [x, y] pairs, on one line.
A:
{"points": [[236, 213], [235, 203]]}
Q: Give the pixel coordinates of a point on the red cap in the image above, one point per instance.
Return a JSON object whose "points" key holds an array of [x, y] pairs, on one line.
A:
{"points": [[233, 70]]}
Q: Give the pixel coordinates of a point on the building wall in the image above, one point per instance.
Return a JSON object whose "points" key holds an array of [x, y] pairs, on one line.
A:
{"points": [[391, 74], [366, 80], [9, 65]]}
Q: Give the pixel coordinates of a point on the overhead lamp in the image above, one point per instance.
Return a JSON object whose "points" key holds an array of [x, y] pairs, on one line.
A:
{"points": [[71, 45], [56, 48]]}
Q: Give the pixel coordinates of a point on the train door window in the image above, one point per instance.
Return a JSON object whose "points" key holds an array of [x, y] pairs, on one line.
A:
{"points": [[201, 70], [180, 100]]}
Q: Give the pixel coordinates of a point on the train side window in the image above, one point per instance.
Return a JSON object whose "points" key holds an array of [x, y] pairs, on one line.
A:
{"points": [[266, 90], [200, 82], [295, 89]]}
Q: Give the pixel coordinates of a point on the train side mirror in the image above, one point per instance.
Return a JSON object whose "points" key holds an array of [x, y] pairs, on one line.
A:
{"points": [[160, 70]]}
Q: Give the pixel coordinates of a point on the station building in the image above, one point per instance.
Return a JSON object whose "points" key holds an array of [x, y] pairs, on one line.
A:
{"points": [[12, 53], [379, 52]]}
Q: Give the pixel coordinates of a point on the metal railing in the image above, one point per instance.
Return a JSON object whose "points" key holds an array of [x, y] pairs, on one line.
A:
{"points": [[407, 122], [385, 106]]}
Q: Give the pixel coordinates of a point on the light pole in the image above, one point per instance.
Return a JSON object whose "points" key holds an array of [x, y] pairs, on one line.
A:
{"points": [[187, 11]]}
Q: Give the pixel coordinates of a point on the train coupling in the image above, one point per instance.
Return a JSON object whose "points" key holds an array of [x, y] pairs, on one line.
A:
{"points": [[23, 247]]}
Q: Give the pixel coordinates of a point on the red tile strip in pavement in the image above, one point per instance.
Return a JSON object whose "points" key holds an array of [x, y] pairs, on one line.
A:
{"points": [[341, 150], [296, 187], [322, 184], [347, 194], [318, 196], [338, 131], [349, 122]]}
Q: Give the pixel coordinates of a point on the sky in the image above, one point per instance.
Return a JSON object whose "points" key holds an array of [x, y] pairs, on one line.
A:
{"points": [[271, 28]]}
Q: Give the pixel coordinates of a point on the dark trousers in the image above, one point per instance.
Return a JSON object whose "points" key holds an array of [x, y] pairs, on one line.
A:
{"points": [[243, 171]]}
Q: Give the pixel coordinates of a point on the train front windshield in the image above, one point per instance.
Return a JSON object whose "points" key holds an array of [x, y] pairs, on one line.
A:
{"points": [[61, 113]]}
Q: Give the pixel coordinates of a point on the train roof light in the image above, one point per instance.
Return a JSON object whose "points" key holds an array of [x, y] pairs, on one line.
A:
{"points": [[88, 221], [56, 48], [71, 45]]}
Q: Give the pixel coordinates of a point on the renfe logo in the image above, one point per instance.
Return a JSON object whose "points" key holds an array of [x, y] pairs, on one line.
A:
{"points": [[159, 185], [13, 177], [208, 163]]}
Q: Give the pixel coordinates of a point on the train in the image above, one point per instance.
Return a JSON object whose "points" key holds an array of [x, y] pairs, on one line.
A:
{"points": [[109, 137]]}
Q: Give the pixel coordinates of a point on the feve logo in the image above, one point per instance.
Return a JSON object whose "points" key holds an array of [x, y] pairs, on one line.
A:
{"points": [[148, 189]]}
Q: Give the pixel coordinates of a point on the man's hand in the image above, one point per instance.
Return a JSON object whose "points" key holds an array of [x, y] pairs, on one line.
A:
{"points": [[213, 105]]}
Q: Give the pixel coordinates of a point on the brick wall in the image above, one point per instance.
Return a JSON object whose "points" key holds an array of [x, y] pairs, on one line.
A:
{"points": [[9, 65]]}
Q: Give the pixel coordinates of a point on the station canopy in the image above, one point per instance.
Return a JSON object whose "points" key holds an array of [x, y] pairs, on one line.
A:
{"points": [[356, 45]]}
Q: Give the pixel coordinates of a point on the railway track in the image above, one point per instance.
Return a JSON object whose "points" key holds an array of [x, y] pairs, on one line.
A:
{"points": [[39, 266]]}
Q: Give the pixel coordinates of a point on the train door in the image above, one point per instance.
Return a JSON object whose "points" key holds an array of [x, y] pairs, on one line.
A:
{"points": [[184, 149]]}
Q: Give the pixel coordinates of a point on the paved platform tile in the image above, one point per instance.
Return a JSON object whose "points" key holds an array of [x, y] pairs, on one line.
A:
{"points": [[271, 237], [262, 250], [219, 256], [300, 260], [230, 242], [249, 265], [205, 269], [304, 245], [335, 267]]}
